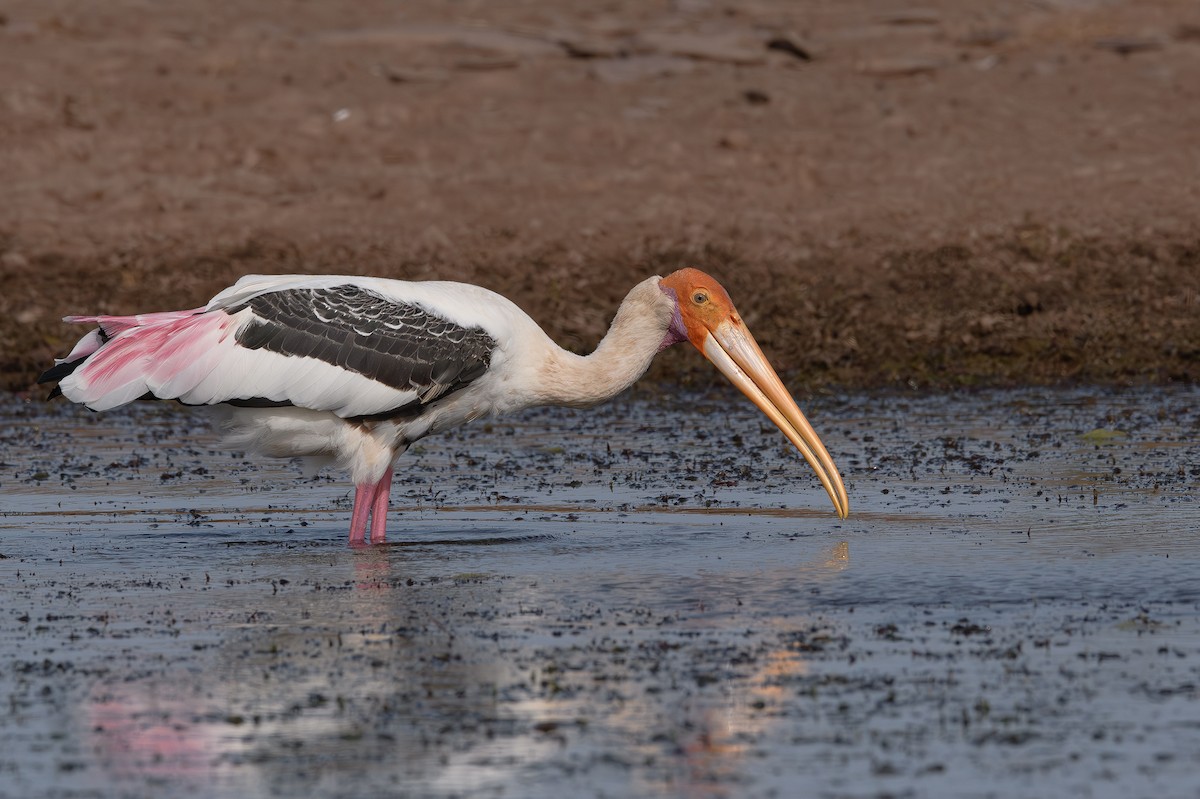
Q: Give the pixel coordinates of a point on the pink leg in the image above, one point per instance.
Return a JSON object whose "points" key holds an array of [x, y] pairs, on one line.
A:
{"points": [[379, 508], [363, 494]]}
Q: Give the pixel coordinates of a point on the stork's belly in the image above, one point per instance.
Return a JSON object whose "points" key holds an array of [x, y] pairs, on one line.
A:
{"points": [[364, 447], [365, 450]]}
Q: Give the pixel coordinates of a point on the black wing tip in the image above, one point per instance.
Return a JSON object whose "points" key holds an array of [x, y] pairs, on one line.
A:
{"points": [[58, 372]]}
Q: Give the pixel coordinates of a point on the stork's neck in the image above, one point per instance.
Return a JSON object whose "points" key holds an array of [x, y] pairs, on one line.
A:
{"points": [[638, 332]]}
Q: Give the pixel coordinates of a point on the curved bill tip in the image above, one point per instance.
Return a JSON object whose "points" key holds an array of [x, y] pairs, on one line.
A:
{"points": [[734, 351]]}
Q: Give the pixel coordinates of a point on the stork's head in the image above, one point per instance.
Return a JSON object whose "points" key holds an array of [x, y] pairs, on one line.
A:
{"points": [[706, 317]]}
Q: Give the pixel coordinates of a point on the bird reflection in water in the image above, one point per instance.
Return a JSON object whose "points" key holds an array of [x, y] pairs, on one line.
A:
{"points": [[401, 693]]}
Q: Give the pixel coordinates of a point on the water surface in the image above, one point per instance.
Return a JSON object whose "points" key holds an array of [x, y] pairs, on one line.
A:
{"points": [[652, 598]]}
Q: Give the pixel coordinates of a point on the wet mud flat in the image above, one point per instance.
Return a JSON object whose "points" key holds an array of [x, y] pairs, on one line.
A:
{"points": [[652, 598]]}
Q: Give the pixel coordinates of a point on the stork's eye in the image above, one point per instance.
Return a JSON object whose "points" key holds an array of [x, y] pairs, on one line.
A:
{"points": [[699, 298]]}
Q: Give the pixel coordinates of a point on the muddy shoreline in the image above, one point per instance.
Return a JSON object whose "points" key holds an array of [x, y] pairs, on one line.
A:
{"points": [[1034, 307]]}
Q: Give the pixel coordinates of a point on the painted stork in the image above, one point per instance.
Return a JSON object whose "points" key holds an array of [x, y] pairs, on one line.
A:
{"points": [[355, 369]]}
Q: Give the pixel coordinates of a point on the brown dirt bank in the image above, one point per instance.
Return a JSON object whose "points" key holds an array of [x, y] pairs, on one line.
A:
{"points": [[1035, 306], [964, 192]]}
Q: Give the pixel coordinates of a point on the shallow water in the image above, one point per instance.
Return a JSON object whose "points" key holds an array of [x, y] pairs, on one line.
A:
{"points": [[652, 598]]}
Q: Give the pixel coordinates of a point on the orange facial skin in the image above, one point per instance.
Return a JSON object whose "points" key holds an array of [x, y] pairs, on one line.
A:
{"points": [[703, 303]]}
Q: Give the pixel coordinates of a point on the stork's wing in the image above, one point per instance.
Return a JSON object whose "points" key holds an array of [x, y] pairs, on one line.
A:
{"points": [[342, 348], [402, 346]]}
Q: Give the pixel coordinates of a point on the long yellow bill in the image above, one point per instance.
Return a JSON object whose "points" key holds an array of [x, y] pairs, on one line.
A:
{"points": [[734, 351]]}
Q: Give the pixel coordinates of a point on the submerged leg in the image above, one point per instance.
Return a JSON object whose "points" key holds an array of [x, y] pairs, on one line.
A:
{"points": [[379, 507], [364, 494]]}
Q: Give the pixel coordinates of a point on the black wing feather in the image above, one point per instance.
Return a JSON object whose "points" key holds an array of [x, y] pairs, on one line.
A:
{"points": [[398, 344]]}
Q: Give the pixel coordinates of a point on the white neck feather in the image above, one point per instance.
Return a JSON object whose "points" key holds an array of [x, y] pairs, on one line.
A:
{"points": [[624, 355]]}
